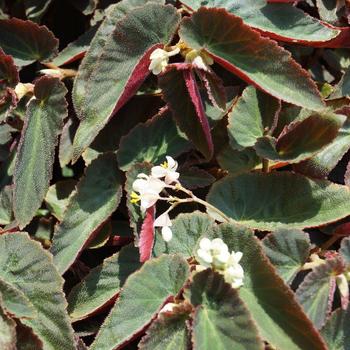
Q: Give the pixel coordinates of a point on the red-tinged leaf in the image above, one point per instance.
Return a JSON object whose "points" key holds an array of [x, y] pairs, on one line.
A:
{"points": [[180, 91], [215, 88], [255, 59], [125, 56], [26, 41], [8, 71], [147, 235]]}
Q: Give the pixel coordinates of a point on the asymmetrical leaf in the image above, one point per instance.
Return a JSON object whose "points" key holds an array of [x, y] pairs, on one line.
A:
{"points": [[279, 21], [279, 318], [279, 200], [187, 229], [23, 261], [288, 251], [151, 142], [102, 284], [253, 58], [316, 292], [125, 56], [97, 196], [221, 320], [26, 41], [141, 299], [35, 157], [180, 92], [254, 114]]}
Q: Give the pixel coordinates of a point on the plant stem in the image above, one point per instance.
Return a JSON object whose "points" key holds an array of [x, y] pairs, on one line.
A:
{"points": [[265, 165]]}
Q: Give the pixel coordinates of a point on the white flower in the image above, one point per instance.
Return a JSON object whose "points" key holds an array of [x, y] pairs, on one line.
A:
{"points": [[199, 59], [56, 73], [167, 171], [23, 89], [148, 188], [164, 222], [160, 58], [343, 286]]}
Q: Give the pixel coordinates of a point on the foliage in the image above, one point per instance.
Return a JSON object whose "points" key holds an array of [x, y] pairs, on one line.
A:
{"points": [[174, 174]]}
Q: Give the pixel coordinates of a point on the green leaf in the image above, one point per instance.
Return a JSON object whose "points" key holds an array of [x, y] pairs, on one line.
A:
{"points": [[238, 162], [167, 332], [88, 65], [151, 142], [282, 21], [316, 292], [15, 302], [252, 116], [288, 251], [6, 199], [7, 332], [279, 200], [187, 229], [26, 41], [194, 177], [336, 332], [36, 150], [142, 297], [96, 198], [279, 318], [344, 250], [301, 139], [253, 58], [65, 151], [325, 161], [102, 284], [343, 87], [125, 56], [23, 262], [221, 320], [57, 197]]}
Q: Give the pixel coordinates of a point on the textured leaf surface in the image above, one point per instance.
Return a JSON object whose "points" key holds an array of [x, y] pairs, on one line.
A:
{"points": [[23, 261], [316, 291], [103, 283], [345, 249], [97, 197], [280, 21], [6, 202], [168, 332], [151, 142], [187, 229], [35, 157], [8, 71], [146, 239], [288, 251], [125, 56], [7, 332], [194, 177], [146, 291], [336, 332], [188, 113], [253, 58], [279, 318], [252, 116], [26, 41], [221, 320], [301, 139], [280, 200]]}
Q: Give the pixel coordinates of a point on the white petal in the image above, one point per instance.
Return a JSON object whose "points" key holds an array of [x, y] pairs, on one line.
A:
{"points": [[223, 257], [158, 54], [171, 177], [158, 171], [237, 283], [155, 185], [162, 220], [148, 200], [204, 257], [167, 234], [173, 52], [198, 62], [167, 308], [139, 185], [205, 243], [172, 163], [236, 257]]}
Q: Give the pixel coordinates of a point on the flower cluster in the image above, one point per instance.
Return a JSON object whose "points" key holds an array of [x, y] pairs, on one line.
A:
{"points": [[160, 59], [147, 189], [215, 254]]}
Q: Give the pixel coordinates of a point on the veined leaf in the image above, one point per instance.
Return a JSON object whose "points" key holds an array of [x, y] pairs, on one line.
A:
{"points": [[33, 169], [280, 21], [23, 261], [253, 58], [6, 203], [97, 196], [316, 292], [221, 320], [279, 318], [254, 114], [125, 56], [180, 92], [89, 63], [102, 284], [194, 177], [26, 41], [288, 251], [280, 200], [141, 299], [151, 142]]}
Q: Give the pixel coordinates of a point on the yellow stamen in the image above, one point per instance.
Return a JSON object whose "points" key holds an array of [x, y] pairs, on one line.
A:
{"points": [[164, 165], [135, 198]]}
